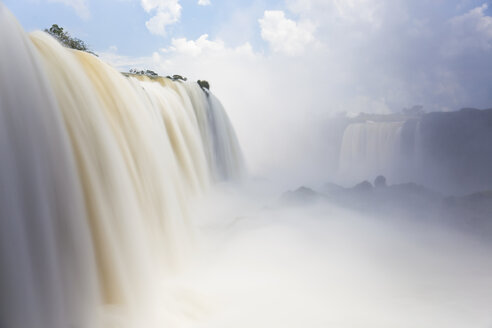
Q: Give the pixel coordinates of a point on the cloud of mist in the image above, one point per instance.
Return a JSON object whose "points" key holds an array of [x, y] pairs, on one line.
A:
{"points": [[316, 265]]}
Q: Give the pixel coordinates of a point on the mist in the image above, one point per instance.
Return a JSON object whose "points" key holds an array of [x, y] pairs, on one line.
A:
{"points": [[265, 262], [335, 174]]}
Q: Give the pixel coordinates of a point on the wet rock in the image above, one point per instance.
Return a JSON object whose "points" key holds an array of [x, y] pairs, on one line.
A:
{"points": [[300, 195], [364, 186], [332, 187], [380, 182]]}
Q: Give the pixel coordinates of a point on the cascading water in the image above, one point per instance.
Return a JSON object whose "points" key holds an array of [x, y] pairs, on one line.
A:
{"points": [[370, 149], [219, 139], [97, 174]]}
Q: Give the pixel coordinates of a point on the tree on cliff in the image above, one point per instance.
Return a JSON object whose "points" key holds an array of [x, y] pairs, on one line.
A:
{"points": [[147, 72], [65, 38]]}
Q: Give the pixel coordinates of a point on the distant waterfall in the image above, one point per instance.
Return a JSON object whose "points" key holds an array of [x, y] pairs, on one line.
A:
{"points": [[370, 149], [96, 177], [418, 156]]}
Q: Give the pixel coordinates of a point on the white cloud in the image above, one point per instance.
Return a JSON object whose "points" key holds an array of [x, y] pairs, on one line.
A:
{"points": [[81, 6], [285, 35], [166, 12], [195, 48], [204, 2], [472, 30], [340, 11]]}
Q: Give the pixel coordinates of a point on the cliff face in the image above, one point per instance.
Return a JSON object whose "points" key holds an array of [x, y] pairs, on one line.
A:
{"points": [[456, 149], [446, 151]]}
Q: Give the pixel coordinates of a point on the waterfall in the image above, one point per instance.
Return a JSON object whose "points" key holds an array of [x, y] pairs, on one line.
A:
{"points": [[219, 139], [98, 171], [418, 158], [369, 149]]}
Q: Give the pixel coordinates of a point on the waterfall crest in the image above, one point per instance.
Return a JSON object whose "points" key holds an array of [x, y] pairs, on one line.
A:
{"points": [[97, 173]]}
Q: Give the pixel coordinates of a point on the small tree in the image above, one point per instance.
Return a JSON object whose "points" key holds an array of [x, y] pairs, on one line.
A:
{"points": [[64, 37], [147, 72], [150, 73], [177, 77], [204, 84]]}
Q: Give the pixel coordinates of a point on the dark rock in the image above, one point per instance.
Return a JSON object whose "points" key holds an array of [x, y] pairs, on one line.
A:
{"points": [[364, 186], [380, 182], [332, 187], [300, 195]]}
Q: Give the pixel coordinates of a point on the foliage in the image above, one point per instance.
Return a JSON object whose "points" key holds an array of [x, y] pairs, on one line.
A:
{"points": [[147, 72], [177, 77], [204, 84], [68, 41]]}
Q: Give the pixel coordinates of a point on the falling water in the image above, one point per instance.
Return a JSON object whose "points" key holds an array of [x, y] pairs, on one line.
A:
{"points": [[97, 173], [370, 149]]}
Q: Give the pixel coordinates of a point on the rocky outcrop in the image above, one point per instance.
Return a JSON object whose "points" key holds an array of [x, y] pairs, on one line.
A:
{"points": [[300, 195], [380, 182], [364, 186]]}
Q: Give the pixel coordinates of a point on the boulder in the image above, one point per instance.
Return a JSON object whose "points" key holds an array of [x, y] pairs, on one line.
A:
{"points": [[364, 186], [300, 195], [380, 182]]}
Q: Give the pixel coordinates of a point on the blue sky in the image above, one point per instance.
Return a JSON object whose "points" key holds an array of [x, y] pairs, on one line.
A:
{"points": [[282, 67], [121, 23]]}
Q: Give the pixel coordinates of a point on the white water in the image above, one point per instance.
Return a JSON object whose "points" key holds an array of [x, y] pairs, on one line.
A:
{"points": [[98, 174], [370, 149], [45, 240]]}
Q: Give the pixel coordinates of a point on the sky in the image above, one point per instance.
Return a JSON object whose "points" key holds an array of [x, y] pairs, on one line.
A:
{"points": [[283, 67]]}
